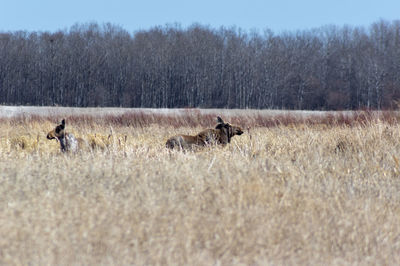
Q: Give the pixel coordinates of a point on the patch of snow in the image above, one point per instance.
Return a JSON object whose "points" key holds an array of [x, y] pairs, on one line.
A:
{"points": [[11, 111]]}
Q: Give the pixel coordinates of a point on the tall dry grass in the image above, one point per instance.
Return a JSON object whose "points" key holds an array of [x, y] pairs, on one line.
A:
{"points": [[297, 192]]}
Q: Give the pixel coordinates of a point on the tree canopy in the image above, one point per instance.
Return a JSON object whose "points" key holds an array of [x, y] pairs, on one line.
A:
{"points": [[329, 68]]}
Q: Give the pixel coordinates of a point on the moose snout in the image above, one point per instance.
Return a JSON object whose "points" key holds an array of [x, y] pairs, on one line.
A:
{"points": [[49, 136]]}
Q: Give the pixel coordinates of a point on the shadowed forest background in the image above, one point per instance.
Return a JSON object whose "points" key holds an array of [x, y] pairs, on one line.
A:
{"points": [[329, 68]]}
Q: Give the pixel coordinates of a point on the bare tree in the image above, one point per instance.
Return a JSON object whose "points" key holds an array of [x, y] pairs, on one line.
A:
{"points": [[104, 65]]}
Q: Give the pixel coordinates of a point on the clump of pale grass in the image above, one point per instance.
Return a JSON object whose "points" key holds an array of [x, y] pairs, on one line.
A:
{"points": [[280, 195]]}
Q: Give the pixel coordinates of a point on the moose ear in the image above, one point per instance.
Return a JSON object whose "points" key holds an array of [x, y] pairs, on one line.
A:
{"points": [[63, 123], [219, 119]]}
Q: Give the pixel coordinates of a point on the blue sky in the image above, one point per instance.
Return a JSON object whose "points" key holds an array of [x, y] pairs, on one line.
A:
{"points": [[277, 15]]}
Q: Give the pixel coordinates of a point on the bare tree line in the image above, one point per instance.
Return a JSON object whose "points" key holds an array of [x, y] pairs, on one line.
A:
{"points": [[103, 65]]}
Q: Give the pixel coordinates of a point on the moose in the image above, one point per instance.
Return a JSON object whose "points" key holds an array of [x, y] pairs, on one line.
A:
{"points": [[68, 142], [221, 135]]}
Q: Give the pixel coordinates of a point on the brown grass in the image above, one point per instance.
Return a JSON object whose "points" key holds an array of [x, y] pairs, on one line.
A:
{"points": [[296, 192]]}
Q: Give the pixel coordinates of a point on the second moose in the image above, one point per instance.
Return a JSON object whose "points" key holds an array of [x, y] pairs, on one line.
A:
{"points": [[222, 134]]}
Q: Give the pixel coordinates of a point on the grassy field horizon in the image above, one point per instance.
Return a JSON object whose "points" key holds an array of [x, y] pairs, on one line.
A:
{"points": [[290, 190]]}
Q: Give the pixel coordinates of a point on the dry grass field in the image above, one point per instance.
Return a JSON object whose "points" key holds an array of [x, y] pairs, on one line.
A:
{"points": [[288, 191]]}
